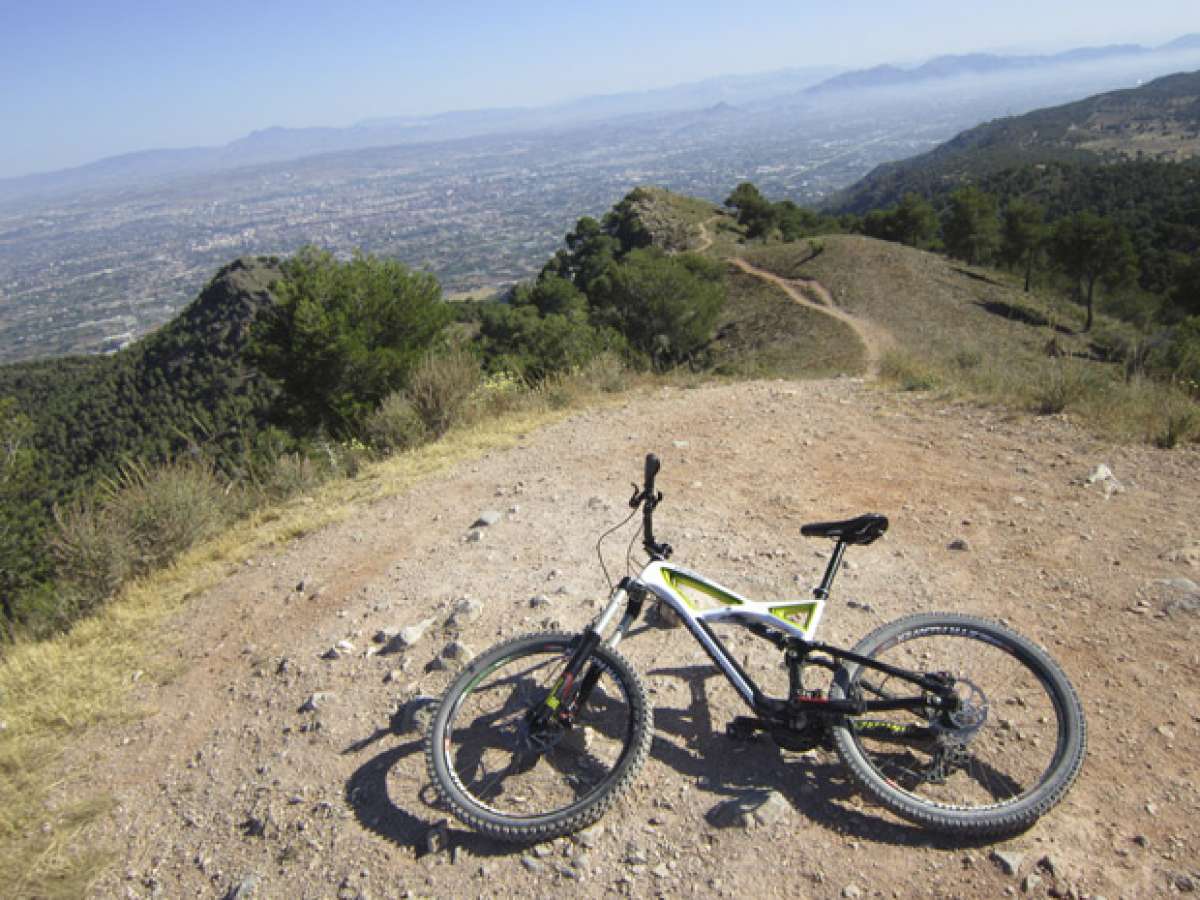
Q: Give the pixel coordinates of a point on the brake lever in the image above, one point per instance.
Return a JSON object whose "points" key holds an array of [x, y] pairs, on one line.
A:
{"points": [[636, 499]]}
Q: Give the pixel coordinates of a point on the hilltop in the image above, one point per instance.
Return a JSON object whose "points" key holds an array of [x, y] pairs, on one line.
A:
{"points": [[1158, 121], [285, 761]]}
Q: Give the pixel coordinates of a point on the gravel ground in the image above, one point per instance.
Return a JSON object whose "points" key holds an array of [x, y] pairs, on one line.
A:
{"points": [[272, 767]]}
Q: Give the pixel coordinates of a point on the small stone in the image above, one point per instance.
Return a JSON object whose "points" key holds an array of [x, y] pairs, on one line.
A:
{"points": [[596, 503], [392, 676], [541, 851], [486, 519], [332, 653], [958, 544], [1031, 883], [465, 612], [408, 637], [317, 701], [538, 601], [531, 864], [1009, 861], [1185, 884], [345, 646], [514, 509], [852, 890], [244, 889], [474, 536], [458, 652], [589, 838], [301, 585], [680, 445], [385, 635], [661, 871]]}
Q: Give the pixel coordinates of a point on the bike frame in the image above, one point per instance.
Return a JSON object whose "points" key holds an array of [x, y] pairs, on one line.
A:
{"points": [[701, 603]]}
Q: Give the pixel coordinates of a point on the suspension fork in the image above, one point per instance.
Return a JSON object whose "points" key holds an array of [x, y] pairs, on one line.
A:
{"points": [[580, 669]]}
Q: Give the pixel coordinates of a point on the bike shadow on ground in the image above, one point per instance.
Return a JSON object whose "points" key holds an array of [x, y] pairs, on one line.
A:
{"points": [[814, 783], [367, 794]]}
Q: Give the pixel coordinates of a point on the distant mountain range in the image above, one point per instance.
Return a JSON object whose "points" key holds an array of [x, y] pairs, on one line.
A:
{"points": [[791, 91], [1157, 121]]}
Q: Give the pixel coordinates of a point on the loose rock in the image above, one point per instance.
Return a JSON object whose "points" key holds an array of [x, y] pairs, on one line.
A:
{"points": [[486, 519], [758, 807], [317, 701], [465, 612], [1009, 861], [407, 637]]}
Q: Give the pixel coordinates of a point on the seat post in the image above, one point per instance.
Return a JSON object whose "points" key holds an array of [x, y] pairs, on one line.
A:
{"points": [[821, 592]]}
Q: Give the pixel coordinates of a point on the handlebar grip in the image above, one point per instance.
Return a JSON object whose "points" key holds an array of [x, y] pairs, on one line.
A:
{"points": [[652, 467]]}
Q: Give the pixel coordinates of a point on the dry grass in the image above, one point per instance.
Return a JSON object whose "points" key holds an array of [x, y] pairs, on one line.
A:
{"points": [[765, 334], [973, 333]]}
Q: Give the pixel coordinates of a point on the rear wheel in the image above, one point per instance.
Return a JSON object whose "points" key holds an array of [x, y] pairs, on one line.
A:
{"points": [[504, 773], [1003, 759]]}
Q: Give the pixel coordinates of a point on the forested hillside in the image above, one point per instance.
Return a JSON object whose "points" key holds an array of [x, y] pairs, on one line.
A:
{"points": [[1159, 121], [184, 390]]}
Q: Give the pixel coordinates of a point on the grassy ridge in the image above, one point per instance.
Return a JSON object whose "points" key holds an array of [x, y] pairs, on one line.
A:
{"points": [[763, 333], [974, 333]]}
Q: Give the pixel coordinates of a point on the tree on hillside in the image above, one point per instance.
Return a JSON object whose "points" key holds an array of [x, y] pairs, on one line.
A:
{"points": [[915, 222], [1022, 235], [1089, 248], [912, 222], [665, 306], [970, 229], [342, 336], [18, 495], [754, 211], [795, 221], [1184, 299]]}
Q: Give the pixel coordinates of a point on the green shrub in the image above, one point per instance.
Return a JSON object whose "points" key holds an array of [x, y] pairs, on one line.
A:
{"points": [[1176, 419], [665, 306], [92, 558], [138, 522], [1063, 385], [395, 425], [440, 386], [162, 511], [342, 336], [606, 372]]}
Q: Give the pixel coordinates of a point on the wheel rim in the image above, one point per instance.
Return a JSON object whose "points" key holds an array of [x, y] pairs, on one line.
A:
{"points": [[1002, 745], [502, 765]]}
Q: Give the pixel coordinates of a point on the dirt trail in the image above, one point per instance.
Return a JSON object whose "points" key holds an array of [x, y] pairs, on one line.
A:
{"points": [[229, 780], [874, 338], [706, 239]]}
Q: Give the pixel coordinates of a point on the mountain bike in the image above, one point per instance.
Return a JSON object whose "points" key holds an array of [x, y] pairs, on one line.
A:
{"points": [[954, 722]]}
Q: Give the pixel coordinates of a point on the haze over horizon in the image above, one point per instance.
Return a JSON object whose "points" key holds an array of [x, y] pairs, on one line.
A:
{"points": [[83, 83]]}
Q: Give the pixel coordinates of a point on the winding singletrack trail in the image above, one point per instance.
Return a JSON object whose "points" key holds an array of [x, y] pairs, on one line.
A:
{"points": [[874, 339]]}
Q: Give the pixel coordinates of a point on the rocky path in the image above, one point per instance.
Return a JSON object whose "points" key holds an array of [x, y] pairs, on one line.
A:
{"points": [[874, 338], [281, 759]]}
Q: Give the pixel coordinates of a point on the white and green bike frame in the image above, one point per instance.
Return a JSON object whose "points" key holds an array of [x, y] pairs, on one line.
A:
{"points": [[798, 720]]}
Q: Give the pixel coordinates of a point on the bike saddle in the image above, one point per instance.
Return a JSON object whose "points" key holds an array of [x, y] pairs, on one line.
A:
{"points": [[860, 530]]}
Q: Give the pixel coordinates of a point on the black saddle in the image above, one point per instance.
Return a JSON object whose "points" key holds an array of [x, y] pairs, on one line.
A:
{"points": [[861, 530]]}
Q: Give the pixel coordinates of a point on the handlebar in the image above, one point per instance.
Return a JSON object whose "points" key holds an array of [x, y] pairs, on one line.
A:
{"points": [[652, 467], [648, 498]]}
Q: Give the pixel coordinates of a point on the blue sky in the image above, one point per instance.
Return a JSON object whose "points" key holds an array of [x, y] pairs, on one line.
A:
{"points": [[82, 80]]}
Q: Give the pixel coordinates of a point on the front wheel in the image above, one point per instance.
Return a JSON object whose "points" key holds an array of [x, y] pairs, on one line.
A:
{"points": [[1007, 755], [508, 768]]}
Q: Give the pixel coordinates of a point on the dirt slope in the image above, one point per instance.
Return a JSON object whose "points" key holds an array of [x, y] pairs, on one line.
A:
{"points": [[228, 784]]}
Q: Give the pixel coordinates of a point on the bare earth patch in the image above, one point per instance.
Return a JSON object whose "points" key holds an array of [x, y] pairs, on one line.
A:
{"points": [[227, 782]]}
